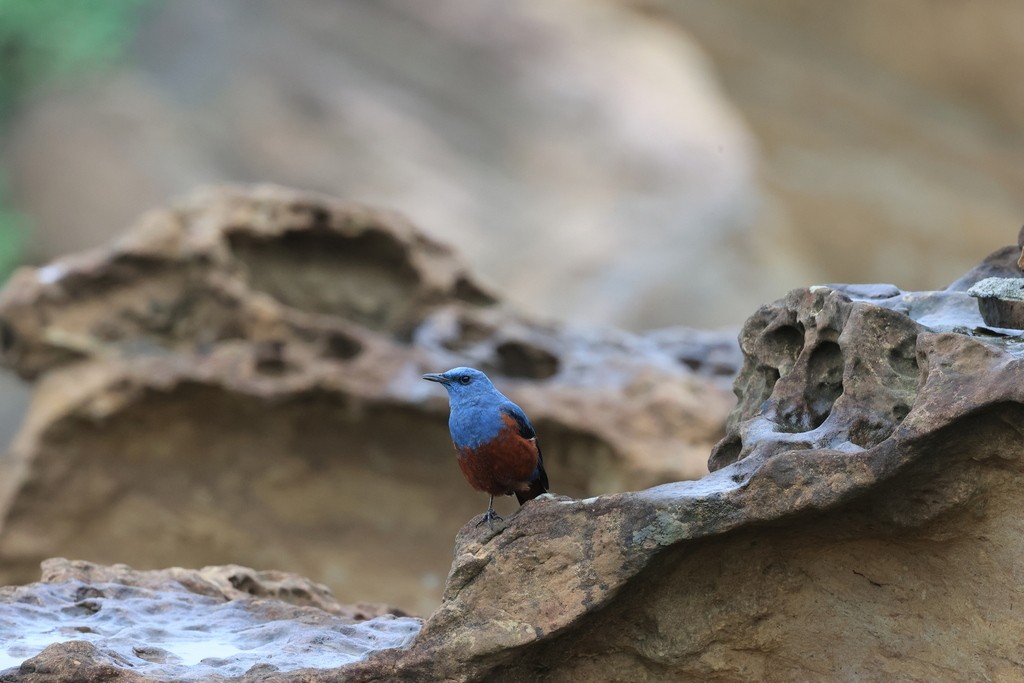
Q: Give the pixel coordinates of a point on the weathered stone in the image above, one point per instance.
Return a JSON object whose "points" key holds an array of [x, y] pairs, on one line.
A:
{"points": [[1001, 301], [179, 624], [815, 376], [266, 264], [869, 520], [862, 523], [237, 380]]}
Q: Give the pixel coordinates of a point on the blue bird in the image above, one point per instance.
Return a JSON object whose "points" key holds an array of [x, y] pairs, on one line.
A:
{"points": [[494, 441]]}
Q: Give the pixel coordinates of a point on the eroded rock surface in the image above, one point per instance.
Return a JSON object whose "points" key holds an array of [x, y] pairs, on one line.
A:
{"points": [[838, 537], [87, 622], [862, 523], [237, 380]]}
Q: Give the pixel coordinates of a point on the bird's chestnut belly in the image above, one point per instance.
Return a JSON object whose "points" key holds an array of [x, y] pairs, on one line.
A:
{"points": [[500, 467]]}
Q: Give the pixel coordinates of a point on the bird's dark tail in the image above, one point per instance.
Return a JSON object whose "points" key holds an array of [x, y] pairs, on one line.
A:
{"points": [[538, 484]]}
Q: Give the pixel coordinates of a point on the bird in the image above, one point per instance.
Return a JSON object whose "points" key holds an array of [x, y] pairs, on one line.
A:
{"points": [[495, 444]]}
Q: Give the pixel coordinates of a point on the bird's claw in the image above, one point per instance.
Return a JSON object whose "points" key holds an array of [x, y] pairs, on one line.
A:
{"points": [[489, 517]]}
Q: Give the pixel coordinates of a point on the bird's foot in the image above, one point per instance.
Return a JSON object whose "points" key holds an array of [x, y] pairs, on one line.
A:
{"points": [[489, 517]]}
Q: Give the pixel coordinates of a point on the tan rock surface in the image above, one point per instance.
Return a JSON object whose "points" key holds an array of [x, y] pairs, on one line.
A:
{"points": [[815, 550], [844, 541], [236, 380]]}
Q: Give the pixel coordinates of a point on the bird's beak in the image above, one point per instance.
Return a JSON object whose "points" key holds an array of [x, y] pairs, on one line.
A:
{"points": [[434, 377]]}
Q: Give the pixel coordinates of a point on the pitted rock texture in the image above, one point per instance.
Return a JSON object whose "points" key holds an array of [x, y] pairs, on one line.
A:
{"points": [[821, 371], [810, 558], [87, 622], [237, 380], [266, 265], [862, 523]]}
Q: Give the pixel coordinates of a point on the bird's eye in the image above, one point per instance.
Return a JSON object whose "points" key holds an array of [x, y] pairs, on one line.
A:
{"points": [[465, 379]]}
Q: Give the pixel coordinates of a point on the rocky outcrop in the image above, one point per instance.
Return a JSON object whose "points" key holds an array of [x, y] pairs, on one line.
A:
{"points": [[862, 522], [237, 380]]}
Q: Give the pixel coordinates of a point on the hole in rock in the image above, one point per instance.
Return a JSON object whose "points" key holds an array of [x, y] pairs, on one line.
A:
{"points": [[725, 452], [470, 332], [366, 278], [124, 270], [782, 345], [903, 359], [519, 359], [706, 367], [868, 431], [723, 369], [244, 583], [692, 363], [271, 359], [824, 381], [8, 337], [342, 347]]}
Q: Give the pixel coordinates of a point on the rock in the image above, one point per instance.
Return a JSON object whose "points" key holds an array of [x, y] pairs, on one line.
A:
{"points": [[861, 522], [221, 266], [96, 623], [1001, 301], [229, 582], [236, 380], [814, 376]]}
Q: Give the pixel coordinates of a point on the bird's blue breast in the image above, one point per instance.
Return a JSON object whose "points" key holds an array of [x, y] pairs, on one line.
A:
{"points": [[474, 424]]}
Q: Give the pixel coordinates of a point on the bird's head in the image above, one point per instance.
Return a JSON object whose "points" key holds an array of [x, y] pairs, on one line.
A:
{"points": [[463, 382]]}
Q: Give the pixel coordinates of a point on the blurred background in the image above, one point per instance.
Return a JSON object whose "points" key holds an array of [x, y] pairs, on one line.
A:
{"points": [[633, 163], [636, 163]]}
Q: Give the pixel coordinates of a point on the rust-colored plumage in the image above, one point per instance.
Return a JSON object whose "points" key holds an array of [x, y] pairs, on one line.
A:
{"points": [[504, 466], [494, 441]]}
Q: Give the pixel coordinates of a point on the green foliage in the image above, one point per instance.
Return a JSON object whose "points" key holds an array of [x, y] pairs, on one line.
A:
{"points": [[41, 40]]}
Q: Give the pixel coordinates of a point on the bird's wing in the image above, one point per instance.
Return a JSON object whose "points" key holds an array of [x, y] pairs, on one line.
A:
{"points": [[527, 432], [517, 414]]}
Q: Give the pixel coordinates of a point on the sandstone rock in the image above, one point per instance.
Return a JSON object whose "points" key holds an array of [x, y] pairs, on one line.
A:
{"points": [[1001, 301], [861, 522], [886, 553], [114, 623], [237, 380]]}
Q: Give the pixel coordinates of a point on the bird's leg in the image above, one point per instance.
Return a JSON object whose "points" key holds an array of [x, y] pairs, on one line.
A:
{"points": [[490, 515]]}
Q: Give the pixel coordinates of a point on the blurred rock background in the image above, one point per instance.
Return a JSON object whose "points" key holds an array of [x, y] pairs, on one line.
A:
{"points": [[634, 163], [638, 163]]}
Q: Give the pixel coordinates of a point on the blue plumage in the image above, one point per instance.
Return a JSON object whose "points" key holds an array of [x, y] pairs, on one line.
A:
{"points": [[494, 440]]}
